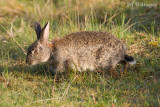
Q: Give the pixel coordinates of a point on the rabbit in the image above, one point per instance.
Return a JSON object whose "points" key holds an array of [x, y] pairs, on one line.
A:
{"points": [[84, 50]]}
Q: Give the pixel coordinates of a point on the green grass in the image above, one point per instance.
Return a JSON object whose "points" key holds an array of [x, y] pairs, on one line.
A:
{"points": [[21, 85]]}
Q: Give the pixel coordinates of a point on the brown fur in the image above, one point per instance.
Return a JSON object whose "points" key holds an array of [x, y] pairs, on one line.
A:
{"points": [[88, 50]]}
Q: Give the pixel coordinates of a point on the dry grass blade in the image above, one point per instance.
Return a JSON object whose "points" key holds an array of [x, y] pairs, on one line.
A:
{"points": [[66, 90]]}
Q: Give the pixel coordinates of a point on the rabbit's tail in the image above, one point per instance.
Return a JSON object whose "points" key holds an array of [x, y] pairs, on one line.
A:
{"points": [[129, 59]]}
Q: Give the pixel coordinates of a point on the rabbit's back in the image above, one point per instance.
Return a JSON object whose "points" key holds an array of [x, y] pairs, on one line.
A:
{"points": [[90, 50]]}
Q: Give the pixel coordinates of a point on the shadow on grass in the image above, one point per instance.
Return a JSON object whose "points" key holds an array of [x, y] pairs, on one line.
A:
{"points": [[32, 70]]}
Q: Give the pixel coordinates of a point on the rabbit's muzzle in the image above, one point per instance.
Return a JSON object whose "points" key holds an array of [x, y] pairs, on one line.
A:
{"points": [[28, 61]]}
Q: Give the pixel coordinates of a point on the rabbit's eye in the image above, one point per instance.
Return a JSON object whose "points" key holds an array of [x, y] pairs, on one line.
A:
{"points": [[35, 51], [40, 48]]}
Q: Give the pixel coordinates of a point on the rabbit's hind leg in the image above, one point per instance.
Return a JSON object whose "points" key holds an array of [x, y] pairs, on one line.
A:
{"points": [[113, 72], [125, 66]]}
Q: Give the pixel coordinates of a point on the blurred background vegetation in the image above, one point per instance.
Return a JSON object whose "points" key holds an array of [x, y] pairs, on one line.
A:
{"points": [[79, 11]]}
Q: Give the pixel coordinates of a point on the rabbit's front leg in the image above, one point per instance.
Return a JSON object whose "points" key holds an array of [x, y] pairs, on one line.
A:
{"points": [[56, 67], [52, 69]]}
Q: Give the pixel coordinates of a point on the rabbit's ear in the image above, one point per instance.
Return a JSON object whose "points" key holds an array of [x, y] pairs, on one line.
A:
{"points": [[37, 28], [45, 33]]}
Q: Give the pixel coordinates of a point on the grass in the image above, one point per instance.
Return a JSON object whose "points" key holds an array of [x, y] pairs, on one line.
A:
{"points": [[137, 27]]}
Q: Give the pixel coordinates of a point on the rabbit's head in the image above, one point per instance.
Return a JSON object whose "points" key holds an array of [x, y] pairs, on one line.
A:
{"points": [[39, 51]]}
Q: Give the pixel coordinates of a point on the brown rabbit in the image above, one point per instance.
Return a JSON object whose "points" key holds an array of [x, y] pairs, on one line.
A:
{"points": [[85, 50]]}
